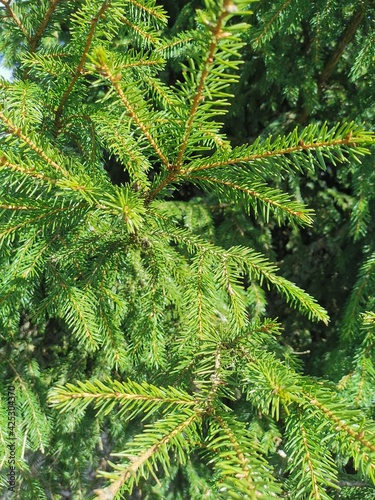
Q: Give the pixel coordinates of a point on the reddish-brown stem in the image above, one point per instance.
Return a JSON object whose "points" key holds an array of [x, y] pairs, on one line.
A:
{"points": [[18, 133], [114, 81], [350, 141], [198, 97], [199, 92], [35, 39], [16, 19], [346, 37]]}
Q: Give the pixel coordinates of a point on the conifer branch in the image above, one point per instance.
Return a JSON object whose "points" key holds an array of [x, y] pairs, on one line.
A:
{"points": [[200, 305], [152, 12], [216, 380], [271, 21], [303, 446], [310, 466], [158, 88], [15, 18], [136, 462], [35, 39], [351, 317], [141, 32], [74, 258], [169, 44], [341, 425], [349, 140], [78, 71], [198, 97], [125, 393], [237, 458], [231, 283], [346, 37], [236, 446], [168, 179], [30, 408], [16, 207], [133, 114], [256, 265], [110, 332], [79, 312], [153, 314], [46, 215], [26, 139], [29, 172], [101, 281], [283, 207], [361, 384]]}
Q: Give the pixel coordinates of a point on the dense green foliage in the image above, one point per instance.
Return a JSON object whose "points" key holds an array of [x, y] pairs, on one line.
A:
{"points": [[170, 186]]}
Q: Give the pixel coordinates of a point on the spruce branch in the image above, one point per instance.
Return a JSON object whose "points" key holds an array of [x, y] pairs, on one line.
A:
{"points": [[237, 460], [200, 298], [133, 251], [36, 37], [33, 40], [79, 312], [145, 35], [345, 39], [133, 398], [173, 429], [32, 410], [155, 12], [16, 207], [344, 137], [309, 473], [265, 30], [229, 280], [277, 200], [359, 382], [32, 145], [167, 46], [254, 263], [361, 290], [10, 228], [113, 341], [310, 465], [245, 474], [28, 172], [16, 19], [217, 32], [78, 71], [106, 72], [358, 435]]}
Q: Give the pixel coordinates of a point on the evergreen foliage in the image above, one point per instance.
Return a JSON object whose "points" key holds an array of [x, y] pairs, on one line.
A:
{"points": [[137, 323]]}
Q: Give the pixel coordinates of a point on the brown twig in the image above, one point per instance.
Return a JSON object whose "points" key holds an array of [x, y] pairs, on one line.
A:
{"points": [[132, 112], [35, 39], [302, 146], [18, 133], [346, 37], [198, 97], [16, 19]]}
